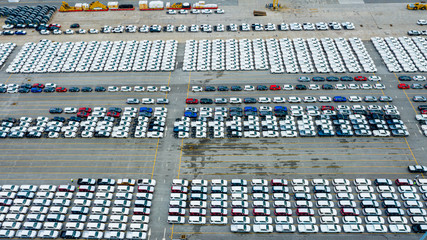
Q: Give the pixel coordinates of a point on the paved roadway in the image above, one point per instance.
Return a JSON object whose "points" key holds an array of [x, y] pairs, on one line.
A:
{"points": [[56, 161]]}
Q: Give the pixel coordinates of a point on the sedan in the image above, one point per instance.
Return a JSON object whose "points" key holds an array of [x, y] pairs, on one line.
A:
{"points": [[403, 86]]}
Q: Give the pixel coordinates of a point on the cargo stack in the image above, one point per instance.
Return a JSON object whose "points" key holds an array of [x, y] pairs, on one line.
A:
{"points": [[178, 6], [149, 6], [203, 5]]}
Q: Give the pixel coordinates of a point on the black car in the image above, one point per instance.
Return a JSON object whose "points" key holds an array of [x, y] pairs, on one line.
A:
{"points": [[145, 114], [332, 79], [223, 88], [29, 86], [86, 89], [235, 109], [59, 119], [100, 89], [3, 90], [210, 89], [265, 113], [55, 110], [206, 101], [23, 90], [405, 78], [249, 100], [327, 87], [301, 87], [34, 135], [115, 109], [346, 78], [74, 89], [74, 118], [75, 25], [49, 89], [236, 88], [261, 88], [318, 79], [69, 234], [11, 120], [235, 113]]}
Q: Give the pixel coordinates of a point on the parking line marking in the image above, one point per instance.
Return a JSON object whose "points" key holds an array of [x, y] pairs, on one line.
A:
{"points": [[56, 154], [289, 173], [406, 94], [294, 167], [4, 166], [92, 173], [320, 160], [293, 154], [8, 78], [76, 149], [155, 157], [71, 160], [412, 153], [69, 143], [271, 149], [290, 143]]}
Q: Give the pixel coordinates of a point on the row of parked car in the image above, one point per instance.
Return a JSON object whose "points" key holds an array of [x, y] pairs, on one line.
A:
{"points": [[86, 211], [237, 122], [5, 50], [278, 55], [53, 57], [298, 195], [402, 54]]}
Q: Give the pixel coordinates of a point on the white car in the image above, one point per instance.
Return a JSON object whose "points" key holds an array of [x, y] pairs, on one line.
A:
{"points": [[279, 99], [264, 100], [138, 89], [379, 86], [235, 100], [324, 99], [249, 88], [314, 87], [374, 78], [294, 99], [151, 89], [125, 89], [196, 89], [165, 89], [113, 89], [70, 110], [147, 101], [354, 99], [119, 134], [419, 78]]}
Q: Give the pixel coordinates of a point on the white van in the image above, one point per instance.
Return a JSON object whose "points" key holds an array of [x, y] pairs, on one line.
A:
{"points": [[74, 226], [138, 227], [125, 189], [196, 220], [329, 220], [122, 203], [180, 182], [219, 182], [219, 197], [95, 226], [199, 182], [239, 196], [218, 220], [176, 220], [58, 210], [306, 220], [263, 220], [239, 189], [418, 220], [104, 195], [241, 220], [104, 188], [178, 197], [397, 220], [198, 204], [284, 220], [18, 209], [52, 226], [117, 227], [259, 182], [118, 219], [421, 182], [120, 210], [140, 219], [100, 210]]}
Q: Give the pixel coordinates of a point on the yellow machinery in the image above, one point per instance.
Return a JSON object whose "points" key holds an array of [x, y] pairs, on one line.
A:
{"points": [[97, 6], [67, 8], [416, 6], [273, 6]]}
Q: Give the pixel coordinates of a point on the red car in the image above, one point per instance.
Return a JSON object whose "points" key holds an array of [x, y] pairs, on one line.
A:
{"points": [[275, 87], [283, 212], [197, 212], [403, 86], [113, 114], [38, 85], [55, 25], [146, 189], [84, 109], [403, 181], [176, 212], [327, 108], [423, 111], [61, 89], [305, 212], [83, 114], [349, 212], [239, 212], [279, 182], [261, 212], [360, 78], [219, 212], [179, 189], [192, 101]]}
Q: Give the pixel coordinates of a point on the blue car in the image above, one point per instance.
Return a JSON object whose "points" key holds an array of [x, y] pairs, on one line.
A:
{"points": [[20, 32], [344, 133], [3, 90], [340, 99], [36, 90], [251, 109], [145, 114], [280, 109], [190, 114], [146, 109], [55, 110]]}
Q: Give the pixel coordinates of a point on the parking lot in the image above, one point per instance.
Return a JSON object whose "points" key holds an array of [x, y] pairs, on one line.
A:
{"points": [[56, 161]]}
